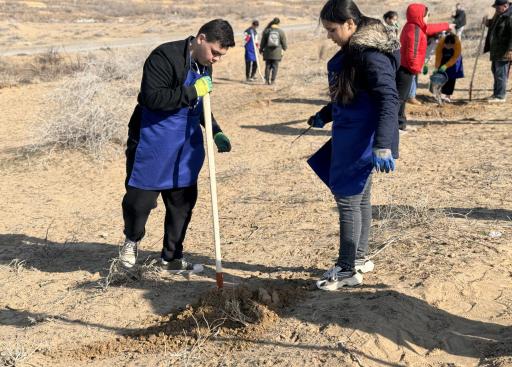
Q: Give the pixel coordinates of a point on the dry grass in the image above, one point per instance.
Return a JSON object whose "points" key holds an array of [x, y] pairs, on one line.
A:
{"points": [[119, 275], [203, 332], [46, 67], [17, 266], [13, 355], [89, 112]]}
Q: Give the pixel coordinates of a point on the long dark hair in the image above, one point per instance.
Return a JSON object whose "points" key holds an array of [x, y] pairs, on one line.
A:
{"points": [[340, 11], [273, 22]]}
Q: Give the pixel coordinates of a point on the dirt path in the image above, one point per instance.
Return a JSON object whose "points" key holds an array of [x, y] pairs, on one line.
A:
{"points": [[120, 43]]}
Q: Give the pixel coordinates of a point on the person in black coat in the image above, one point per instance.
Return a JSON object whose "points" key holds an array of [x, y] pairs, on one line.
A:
{"points": [[364, 114], [459, 19], [165, 149]]}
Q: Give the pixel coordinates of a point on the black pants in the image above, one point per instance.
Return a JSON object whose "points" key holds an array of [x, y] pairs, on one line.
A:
{"points": [[271, 67], [250, 69], [404, 80], [138, 203], [449, 87]]}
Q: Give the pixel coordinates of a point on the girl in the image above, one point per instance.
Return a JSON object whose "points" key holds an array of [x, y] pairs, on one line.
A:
{"points": [[273, 45], [449, 60], [364, 110]]}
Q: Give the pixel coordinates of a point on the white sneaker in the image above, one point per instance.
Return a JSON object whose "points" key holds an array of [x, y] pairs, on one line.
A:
{"points": [[128, 254], [180, 266], [337, 277], [364, 265], [496, 100]]}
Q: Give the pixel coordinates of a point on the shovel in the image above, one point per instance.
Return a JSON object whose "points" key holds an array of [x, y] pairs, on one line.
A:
{"points": [[207, 111]]}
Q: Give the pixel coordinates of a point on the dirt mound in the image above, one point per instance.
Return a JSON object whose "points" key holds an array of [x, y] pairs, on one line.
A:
{"points": [[247, 309]]}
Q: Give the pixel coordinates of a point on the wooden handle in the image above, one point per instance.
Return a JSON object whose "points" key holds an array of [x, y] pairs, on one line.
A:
{"points": [[207, 111], [256, 52], [476, 62]]}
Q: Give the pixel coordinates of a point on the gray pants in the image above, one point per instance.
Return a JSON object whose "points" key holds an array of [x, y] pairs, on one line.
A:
{"points": [[500, 70], [271, 67], [355, 221]]}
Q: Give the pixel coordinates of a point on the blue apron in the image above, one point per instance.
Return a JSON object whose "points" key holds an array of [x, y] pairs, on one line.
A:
{"points": [[250, 52], [170, 152], [345, 162], [456, 71]]}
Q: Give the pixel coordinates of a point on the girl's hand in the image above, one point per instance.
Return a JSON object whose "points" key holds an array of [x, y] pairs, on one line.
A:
{"points": [[383, 160]]}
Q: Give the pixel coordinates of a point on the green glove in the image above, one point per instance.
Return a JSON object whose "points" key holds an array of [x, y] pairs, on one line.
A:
{"points": [[425, 69], [203, 86], [222, 142], [443, 68]]}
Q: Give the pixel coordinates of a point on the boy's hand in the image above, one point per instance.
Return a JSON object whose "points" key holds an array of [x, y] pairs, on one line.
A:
{"points": [[222, 142], [203, 86]]}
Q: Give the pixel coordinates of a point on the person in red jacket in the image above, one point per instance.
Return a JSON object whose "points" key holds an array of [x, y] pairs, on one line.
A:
{"points": [[413, 51]]}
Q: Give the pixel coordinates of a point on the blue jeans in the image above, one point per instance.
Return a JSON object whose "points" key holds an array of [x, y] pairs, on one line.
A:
{"points": [[355, 221], [500, 71], [414, 86]]}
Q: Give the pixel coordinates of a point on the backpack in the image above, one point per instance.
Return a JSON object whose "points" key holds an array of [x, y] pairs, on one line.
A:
{"points": [[274, 38]]}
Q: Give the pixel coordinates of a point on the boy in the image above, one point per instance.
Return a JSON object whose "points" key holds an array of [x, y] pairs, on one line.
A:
{"points": [[165, 143]]}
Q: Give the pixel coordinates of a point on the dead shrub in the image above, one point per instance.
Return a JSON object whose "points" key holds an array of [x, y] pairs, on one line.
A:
{"points": [[90, 110]]}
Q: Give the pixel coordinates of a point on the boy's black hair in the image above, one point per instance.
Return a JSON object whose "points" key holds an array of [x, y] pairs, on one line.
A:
{"points": [[218, 30], [256, 23], [390, 14], [450, 39]]}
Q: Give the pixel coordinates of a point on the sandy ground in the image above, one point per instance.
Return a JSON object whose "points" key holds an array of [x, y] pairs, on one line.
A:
{"points": [[440, 295]]}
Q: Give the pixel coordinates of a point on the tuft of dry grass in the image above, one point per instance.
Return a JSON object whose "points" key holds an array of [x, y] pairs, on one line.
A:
{"points": [[46, 67], [89, 112], [119, 275], [17, 266], [13, 355]]}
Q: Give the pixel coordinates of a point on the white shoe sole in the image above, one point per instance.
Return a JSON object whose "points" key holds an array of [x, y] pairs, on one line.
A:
{"points": [[353, 281], [366, 268], [198, 268]]}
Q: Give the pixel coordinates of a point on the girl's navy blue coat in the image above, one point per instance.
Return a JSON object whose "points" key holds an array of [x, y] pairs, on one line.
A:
{"points": [[370, 120]]}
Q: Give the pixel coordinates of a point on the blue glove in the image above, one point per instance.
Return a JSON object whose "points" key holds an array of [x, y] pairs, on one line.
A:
{"points": [[383, 160], [316, 121]]}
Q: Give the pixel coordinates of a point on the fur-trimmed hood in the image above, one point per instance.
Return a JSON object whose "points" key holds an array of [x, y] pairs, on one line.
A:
{"points": [[375, 36]]}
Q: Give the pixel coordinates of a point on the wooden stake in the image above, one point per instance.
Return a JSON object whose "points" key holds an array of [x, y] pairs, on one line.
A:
{"points": [[476, 62], [207, 111]]}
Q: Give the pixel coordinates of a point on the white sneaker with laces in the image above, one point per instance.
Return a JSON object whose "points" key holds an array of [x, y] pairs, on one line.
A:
{"points": [[128, 253], [364, 265], [338, 277]]}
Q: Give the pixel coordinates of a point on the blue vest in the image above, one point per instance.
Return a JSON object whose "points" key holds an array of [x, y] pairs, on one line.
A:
{"points": [[250, 52]]}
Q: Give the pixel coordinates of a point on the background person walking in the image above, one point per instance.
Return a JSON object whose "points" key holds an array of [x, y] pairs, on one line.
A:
{"points": [[273, 44], [459, 19], [251, 45]]}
